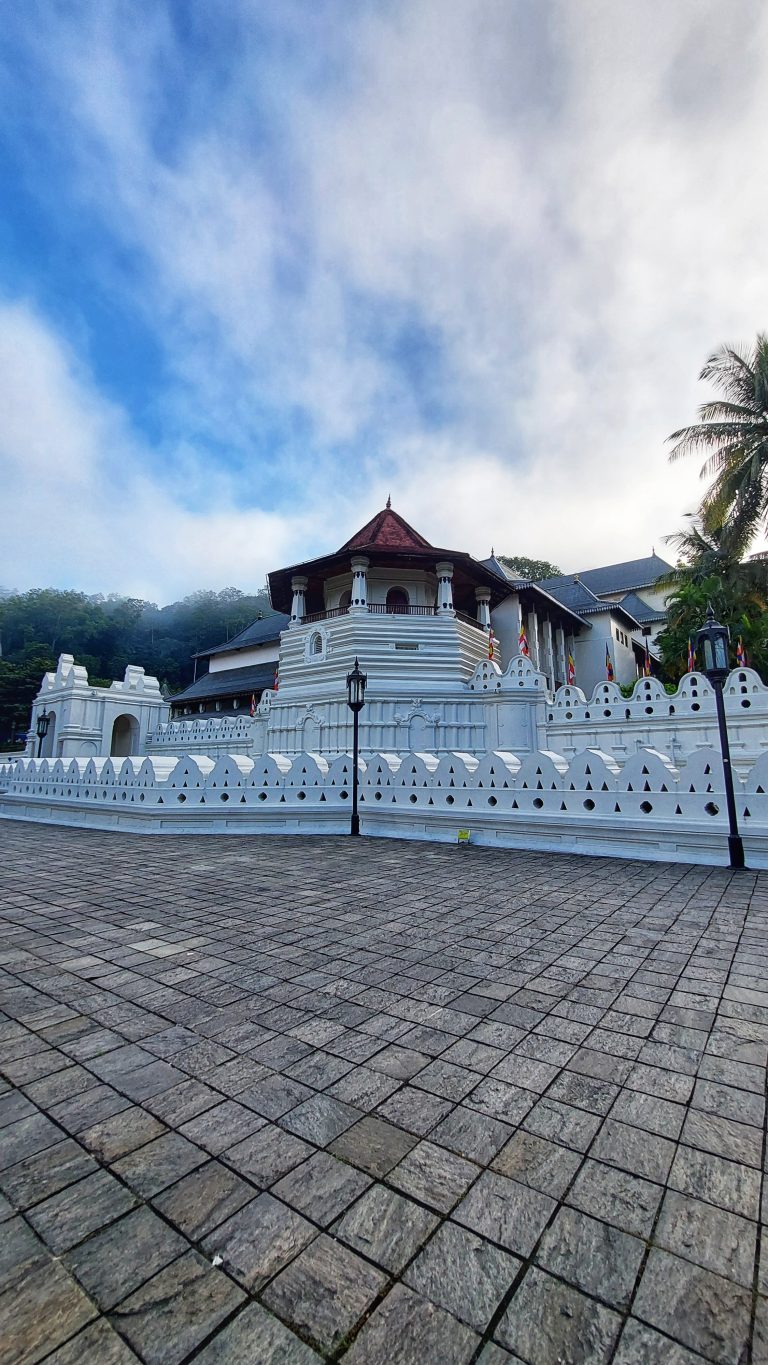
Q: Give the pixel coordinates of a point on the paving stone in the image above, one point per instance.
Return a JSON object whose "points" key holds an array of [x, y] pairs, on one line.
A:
{"points": [[97, 1344], [464, 1274], [182, 1102], [26, 1137], [203, 1199], [322, 1187], [259, 1240], [19, 1249], [725, 1183], [533, 1161], [115, 1137], [724, 1137], [121, 1257], [176, 1310], [634, 1150], [222, 1126], [592, 1255], [548, 1322], [416, 1111], [79, 1210], [267, 1154], [407, 1329], [14, 1106], [374, 1145], [325, 1292], [506, 1212], [709, 1236], [256, 1337], [626, 1201], [641, 1345], [500, 1100], [39, 1176], [320, 1119], [433, 1175], [701, 1310], [160, 1163], [386, 1227], [562, 1123], [473, 1135], [39, 1312], [89, 1107]]}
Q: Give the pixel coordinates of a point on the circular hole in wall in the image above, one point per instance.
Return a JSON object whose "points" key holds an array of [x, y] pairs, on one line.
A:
{"points": [[746, 703], [449, 800], [377, 796], [589, 804], [343, 795], [491, 800], [224, 796], [711, 808], [646, 807], [413, 798], [301, 796], [262, 796], [538, 803], [181, 797]]}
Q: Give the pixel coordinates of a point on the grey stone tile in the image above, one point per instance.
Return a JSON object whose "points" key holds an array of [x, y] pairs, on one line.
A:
{"points": [[374, 1145], [400, 1062], [39, 1312], [160, 1163], [182, 1102], [634, 1150], [724, 1183], [259, 1240], [549, 1322], [536, 1162], [222, 1126], [473, 1135], [505, 1212], [88, 1107], [500, 1100], [642, 1345], [275, 1094], [434, 1176], [656, 1080], [726, 1138], [649, 1112], [322, 1187], [203, 1199], [97, 1344], [464, 1274], [26, 1137], [446, 1079], [267, 1154], [39, 1176], [79, 1210], [729, 1103], [410, 1330], [325, 1292], [121, 1257], [385, 1227], [562, 1123], [176, 1310], [256, 1336], [624, 1200], [363, 1088], [19, 1249], [320, 1119], [592, 1255], [703, 1311], [415, 1110], [584, 1092], [709, 1236], [122, 1133]]}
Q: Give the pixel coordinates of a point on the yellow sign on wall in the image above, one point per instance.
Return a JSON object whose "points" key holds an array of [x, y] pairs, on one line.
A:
{"points": [[463, 836]]}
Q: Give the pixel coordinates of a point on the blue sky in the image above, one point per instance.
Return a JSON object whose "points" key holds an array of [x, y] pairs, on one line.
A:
{"points": [[263, 264]]}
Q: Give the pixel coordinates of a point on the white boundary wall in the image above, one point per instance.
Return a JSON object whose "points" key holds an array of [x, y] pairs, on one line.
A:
{"points": [[644, 808]]}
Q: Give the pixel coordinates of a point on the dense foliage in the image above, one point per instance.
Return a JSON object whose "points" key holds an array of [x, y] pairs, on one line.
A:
{"points": [[531, 569], [105, 634]]}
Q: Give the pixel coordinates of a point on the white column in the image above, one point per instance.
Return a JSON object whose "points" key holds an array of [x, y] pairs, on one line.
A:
{"points": [[533, 639], [483, 599], [298, 605], [550, 651], [444, 571], [562, 652], [359, 583]]}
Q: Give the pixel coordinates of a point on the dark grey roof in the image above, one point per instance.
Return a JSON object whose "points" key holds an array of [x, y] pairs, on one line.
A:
{"points": [[632, 573], [229, 682], [262, 631], [517, 584], [642, 611], [569, 589]]}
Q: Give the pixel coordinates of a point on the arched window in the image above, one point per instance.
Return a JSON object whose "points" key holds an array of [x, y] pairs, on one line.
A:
{"points": [[397, 600], [345, 601], [316, 643]]}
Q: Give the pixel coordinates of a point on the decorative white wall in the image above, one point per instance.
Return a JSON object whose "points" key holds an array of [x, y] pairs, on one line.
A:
{"points": [[87, 720]]}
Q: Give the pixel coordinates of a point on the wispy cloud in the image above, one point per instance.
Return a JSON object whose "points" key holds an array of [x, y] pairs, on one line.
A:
{"points": [[472, 254]]}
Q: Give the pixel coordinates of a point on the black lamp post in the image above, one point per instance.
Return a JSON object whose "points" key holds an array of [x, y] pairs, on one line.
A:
{"points": [[712, 648], [43, 721], [356, 681]]}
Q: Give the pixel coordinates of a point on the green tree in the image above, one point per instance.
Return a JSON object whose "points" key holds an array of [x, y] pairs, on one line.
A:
{"points": [[710, 571], [732, 432], [532, 569]]}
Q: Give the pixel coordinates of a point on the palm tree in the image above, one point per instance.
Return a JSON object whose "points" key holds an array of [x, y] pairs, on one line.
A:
{"points": [[703, 551], [733, 431]]}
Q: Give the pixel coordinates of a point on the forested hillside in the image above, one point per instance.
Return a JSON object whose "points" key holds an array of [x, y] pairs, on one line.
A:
{"points": [[105, 634]]}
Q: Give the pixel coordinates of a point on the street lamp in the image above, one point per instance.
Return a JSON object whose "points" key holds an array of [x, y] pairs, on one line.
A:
{"points": [[43, 721], [356, 681], [712, 647]]}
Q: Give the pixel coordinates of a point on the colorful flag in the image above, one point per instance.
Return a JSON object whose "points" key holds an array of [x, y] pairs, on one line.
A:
{"points": [[253, 705], [275, 683], [571, 671], [608, 665], [492, 643], [741, 654], [647, 662], [691, 656], [522, 641]]}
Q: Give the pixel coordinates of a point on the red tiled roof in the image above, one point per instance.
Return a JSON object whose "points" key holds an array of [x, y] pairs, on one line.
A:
{"points": [[386, 531]]}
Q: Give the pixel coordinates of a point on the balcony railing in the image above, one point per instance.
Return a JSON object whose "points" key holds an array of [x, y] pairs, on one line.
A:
{"points": [[381, 609]]}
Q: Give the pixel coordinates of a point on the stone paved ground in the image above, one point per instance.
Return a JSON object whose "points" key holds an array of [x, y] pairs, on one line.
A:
{"points": [[291, 1100]]}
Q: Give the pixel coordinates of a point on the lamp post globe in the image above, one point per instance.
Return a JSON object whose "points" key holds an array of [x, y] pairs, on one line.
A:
{"points": [[356, 684], [712, 648], [43, 722]]}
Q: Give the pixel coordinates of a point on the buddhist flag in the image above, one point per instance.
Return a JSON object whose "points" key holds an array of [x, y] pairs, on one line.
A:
{"points": [[741, 654], [253, 705], [492, 643], [691, 656], [522, 641], [571, 671], [647, 662], [608, 664]]}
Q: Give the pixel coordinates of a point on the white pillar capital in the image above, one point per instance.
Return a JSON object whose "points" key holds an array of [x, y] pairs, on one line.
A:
{"points": [[444, 571], [299, 604], [483, 599]]}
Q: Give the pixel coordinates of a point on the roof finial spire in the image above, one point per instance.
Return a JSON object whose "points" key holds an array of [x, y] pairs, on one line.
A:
{"points": [[389, 503], [493, 553]]}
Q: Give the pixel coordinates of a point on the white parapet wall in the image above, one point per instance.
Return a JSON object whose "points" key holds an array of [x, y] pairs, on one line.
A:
{"points": [[645, 808]]}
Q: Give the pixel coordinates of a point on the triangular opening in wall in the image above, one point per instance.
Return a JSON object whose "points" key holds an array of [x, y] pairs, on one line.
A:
{"points": [[678, 810], [747, 813], [282, 798], [515, 806], [646, 785], [617, 809], [469, 801], [630, 788], [589, 785], [760, 791], [604, 787], [202, 800], [506, 786], [430, 802], [588, 771], [243, 801], [322, 796], [160, 801], [539, 786], [563, 806]]}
